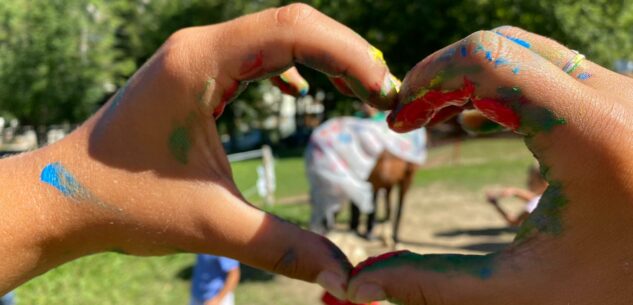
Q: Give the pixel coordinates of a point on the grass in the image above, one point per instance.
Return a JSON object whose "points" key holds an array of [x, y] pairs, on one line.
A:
{"points": [[119, 279]]}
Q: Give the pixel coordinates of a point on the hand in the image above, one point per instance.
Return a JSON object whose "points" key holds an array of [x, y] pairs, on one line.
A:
{"points": [[214, 301], [577, 119], [147, 174], [494, 200]]}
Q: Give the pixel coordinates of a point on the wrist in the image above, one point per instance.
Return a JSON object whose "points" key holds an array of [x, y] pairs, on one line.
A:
{"points": [[37, 223]]}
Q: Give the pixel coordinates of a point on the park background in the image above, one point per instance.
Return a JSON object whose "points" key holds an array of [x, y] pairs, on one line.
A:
{"points": [[60, 60]]}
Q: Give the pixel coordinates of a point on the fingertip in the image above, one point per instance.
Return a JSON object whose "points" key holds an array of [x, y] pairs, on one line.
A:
{"points": [[291, 82], [367, 292], [333, 282]]}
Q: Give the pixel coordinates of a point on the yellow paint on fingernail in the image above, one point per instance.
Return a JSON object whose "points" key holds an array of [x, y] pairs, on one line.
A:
{"points": [[376, 54]]}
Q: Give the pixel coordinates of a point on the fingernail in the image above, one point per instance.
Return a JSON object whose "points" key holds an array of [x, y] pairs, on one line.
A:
{"points": [[333, 282], [390, 85], [376, 55], [368, 292]]}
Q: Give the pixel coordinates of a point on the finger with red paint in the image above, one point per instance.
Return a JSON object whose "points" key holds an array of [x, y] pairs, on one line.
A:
{"points": [[575, 247], [285, 36], [148, 175]]}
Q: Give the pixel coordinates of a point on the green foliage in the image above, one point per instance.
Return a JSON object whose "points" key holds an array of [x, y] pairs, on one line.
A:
{"points": [[57, 59]]}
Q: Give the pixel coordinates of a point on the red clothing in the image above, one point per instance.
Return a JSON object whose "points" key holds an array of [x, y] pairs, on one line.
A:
{"points": [[329, 299]]}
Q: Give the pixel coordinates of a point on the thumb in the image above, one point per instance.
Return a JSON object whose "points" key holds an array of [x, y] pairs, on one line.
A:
{"points": [[265, 241]]}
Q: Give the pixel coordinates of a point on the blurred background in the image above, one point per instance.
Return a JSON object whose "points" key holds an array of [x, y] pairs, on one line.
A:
{"points": [[61, 59]]}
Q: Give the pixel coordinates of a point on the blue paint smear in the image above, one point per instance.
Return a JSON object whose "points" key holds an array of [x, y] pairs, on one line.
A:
{"points": [[464, 51], [500, 62], [303, 91], [518, 41], [485, 272], [516, 70], [60, 178], [488, 56], [446, 56], [584, 76]]}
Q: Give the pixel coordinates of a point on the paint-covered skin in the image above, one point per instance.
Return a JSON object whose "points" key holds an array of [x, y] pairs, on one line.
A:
{"points": [[56, 175], [474, 122], [157, 155], [291, 82], [478, 266], [575, 118]]}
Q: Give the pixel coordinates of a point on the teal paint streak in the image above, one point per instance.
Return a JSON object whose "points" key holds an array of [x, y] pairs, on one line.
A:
{"points": [[533, 118], [547, 218], [479, 266]]}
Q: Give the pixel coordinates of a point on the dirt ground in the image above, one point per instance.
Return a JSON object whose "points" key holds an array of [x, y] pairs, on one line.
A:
{"points": [[435, 220]]}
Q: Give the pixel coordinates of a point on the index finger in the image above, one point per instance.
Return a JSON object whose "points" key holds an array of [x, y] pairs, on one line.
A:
{"points": [[266, 43]]}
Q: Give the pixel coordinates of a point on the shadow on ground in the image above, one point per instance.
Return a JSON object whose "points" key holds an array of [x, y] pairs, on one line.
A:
{"points": [[477, 232]]}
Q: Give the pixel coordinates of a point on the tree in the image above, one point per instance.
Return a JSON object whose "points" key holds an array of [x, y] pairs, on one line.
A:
{"points": [[57, 60]]}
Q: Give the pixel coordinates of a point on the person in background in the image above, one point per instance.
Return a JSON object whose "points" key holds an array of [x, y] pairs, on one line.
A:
{"points": [[8, 299], [536, 186], [214, 280]]}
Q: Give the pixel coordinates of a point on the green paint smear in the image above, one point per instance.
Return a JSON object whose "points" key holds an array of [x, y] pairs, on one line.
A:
{"points": [[180, 143], [479, 266], [452, 71], [207, 85], [487, 127], [533, 119], [357, 87], [547, 218]]}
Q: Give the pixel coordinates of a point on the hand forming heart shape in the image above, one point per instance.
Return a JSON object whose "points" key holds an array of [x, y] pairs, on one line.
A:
{"points": [[576, 119], [147, 174]]}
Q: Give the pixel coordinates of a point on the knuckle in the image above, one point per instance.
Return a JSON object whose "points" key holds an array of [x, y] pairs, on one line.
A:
{"points": [[173, 55], [489, 44], [509, 30], [287, 263], [291, 15]]}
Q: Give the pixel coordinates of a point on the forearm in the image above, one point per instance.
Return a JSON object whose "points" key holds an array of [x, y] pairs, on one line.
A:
{"points": [[232, 280], [522, 194], [37, 223]]}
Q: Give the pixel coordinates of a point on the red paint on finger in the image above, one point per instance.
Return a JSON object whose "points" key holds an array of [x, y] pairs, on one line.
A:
{"points": [[445, 114], [329, 299], [228, 95], [285, 87], [253, 65], [496, 111], [375, 259], [341, 86], [423, 108]]}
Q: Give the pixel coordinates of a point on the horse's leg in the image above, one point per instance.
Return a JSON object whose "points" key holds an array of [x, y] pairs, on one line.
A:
{"points": [[404, 186], [387, 204], [354, 218], [372, 216]]}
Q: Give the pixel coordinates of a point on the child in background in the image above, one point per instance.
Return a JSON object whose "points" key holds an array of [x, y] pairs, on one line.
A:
{"points": [[8, 299], [536, 186], [214, 280]]}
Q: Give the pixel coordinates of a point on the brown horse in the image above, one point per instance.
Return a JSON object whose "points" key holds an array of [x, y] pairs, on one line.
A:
{"points": [[388, 172]]}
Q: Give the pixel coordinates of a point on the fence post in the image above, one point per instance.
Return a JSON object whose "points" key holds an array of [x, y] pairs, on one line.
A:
{"points": [[267, 156]]}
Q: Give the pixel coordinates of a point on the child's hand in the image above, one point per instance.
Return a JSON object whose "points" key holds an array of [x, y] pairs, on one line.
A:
{"points": [[147, 174], [577, 118]]}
